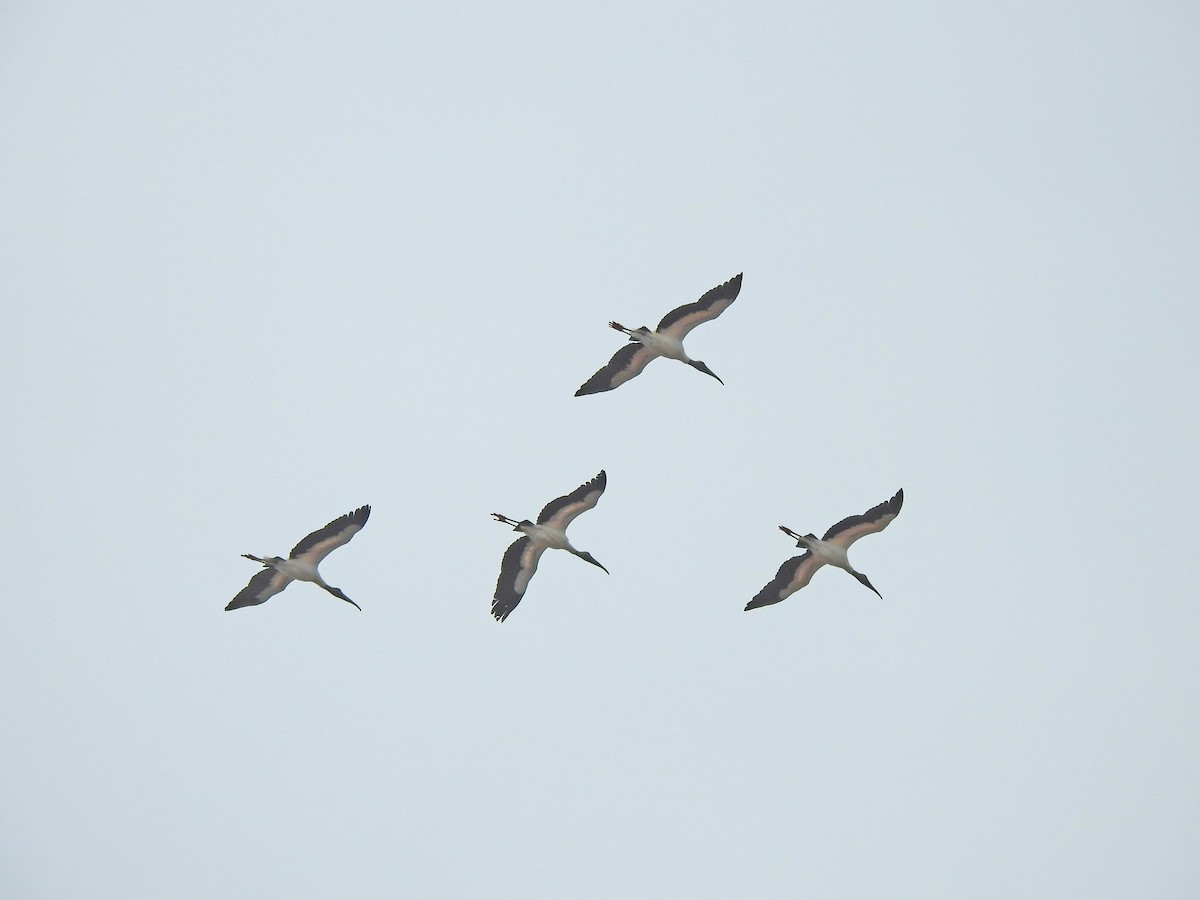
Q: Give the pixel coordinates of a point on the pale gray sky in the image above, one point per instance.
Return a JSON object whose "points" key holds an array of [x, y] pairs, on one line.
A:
{"points": [[265, 262]]}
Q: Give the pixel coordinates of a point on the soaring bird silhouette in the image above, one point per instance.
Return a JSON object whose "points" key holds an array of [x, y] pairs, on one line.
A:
{"points": [[302, 562], [666, 340], [550, 531], [831, 549]]}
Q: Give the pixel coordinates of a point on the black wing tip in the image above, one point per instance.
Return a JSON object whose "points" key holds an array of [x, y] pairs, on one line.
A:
{"points": [[760, 601], [502, 609], [770, 594], [505, 598], [599, 383], [503, 603], [889, 507], [602, 380], [354, 517], [731, 288], [252, 593]]}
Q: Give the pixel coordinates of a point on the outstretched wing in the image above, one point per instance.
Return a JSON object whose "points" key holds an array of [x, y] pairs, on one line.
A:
{"points": [[520, 562], [325, 540], [877, 518], [626, 363], [679, 321], [562, 512], [262, 587], [793, 575]]}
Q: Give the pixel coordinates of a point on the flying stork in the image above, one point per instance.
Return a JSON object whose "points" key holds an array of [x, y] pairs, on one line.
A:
{"points": [[797, 571], [550, 531], [301, 564], [666, 340]]}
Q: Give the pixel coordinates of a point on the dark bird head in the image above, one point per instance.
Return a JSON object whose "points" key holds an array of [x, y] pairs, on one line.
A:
{"points": [[863, 580], [696, 364], [587, 557]]}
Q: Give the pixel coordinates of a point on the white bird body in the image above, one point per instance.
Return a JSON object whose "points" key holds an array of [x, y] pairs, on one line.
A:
{"points": [[830, 553], [302, 563], [548, 533], [298, 569], [553, 538], [829, 550], [666, 340], [663, 344]]}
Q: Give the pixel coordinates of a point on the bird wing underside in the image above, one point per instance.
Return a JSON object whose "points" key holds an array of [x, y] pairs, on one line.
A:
{"points": [[562, 512], [325, 540], [262, 587], [625, 364], [793, 575], [679, 321], [519, 564], [877, 518]]}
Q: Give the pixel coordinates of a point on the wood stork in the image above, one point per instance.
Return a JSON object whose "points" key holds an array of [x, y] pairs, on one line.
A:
{"points": [[550, 531], [666, 340], [302, 562], [797, 571]]}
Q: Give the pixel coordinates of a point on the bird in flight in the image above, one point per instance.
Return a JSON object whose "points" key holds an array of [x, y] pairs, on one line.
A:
{"points": [[666, 340], [302, 562], [550, 531], [831, 549]]}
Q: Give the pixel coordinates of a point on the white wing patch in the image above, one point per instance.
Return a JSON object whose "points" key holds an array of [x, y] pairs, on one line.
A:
{"points": [[625, 364], [318, 545], [561, 512], [519, 564], [875, 519], [262, 587], [679, 321], [792, 575]]}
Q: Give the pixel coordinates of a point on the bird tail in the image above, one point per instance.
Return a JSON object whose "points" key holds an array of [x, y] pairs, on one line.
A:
{"points": [[258, 559], [802, 540], [632, 332]]}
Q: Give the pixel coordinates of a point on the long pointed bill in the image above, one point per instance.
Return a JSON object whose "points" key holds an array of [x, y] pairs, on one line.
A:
{"points": [[584, 555], [337, 593], [863, 579], [696, 364]]}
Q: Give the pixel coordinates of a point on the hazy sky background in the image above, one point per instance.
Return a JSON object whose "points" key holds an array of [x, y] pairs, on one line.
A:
{"points": [[262, 263]]}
